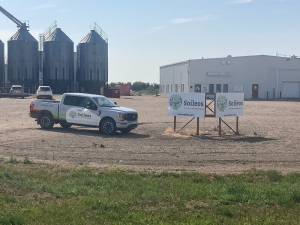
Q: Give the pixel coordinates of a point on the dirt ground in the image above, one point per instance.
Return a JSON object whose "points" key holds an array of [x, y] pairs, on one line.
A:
{"points": [[270, 139]]}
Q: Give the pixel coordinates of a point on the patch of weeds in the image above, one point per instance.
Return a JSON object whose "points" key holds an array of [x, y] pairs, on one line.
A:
{"points": [[225, 212], [27, 161], [294, 193], [243, 163], [81, 163], [9, 199], [12, 159], [238, 192], [102, 146], [191, 161], [11, 219], [95, 144], [274, 176]]}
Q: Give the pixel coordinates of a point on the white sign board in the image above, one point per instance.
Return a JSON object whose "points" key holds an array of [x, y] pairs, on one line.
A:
{"points": [[229, 104], [187, 104]]}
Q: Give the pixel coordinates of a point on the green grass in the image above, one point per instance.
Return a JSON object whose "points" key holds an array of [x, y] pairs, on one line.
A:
{"points": [[45, 194]]}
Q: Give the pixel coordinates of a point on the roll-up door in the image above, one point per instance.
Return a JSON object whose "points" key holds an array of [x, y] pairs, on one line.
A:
{"points": [[290, 89]]}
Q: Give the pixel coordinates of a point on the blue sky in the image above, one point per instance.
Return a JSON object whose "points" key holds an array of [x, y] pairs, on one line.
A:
{"points": [[146, 34]]}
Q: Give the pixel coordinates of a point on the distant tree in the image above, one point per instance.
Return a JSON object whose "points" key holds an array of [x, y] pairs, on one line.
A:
{"points": [[138, 86]]}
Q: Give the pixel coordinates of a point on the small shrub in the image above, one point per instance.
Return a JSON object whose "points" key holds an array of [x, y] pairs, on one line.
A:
{"points": [[12, 160], [102, 146], [274, 176], [27, 161]]}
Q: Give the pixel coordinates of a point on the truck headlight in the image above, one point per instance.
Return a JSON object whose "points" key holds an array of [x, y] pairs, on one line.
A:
{"points": [[121, 116]]}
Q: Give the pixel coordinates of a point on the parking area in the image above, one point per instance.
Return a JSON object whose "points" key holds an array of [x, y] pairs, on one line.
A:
{"points": [[269, 139]]}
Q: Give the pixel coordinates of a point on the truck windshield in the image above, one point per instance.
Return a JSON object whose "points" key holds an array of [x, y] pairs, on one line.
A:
{"points": [[104, 102]]}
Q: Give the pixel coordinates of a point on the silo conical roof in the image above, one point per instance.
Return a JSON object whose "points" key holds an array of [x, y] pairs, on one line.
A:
{"points": [[22, 35], [58, 35], [92, 37]]}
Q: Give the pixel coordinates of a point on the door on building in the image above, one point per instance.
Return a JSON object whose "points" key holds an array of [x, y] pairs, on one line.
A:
{"points": [[254, 90], [290, 89]]}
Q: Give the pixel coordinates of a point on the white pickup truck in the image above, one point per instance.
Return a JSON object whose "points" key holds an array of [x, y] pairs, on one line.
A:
{"points": [[84, 110]]}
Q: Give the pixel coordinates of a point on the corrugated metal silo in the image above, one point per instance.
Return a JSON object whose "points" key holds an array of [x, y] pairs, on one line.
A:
{"points": [[59, 61], [1, 63], [23, 59], [92, 62]]}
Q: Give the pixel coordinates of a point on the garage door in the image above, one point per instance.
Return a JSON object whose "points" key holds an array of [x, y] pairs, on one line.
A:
{"points": [[290, 89]]}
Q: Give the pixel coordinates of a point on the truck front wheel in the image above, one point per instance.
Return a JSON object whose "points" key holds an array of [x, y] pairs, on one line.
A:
{"points": [[107, 126], [46, 121]]}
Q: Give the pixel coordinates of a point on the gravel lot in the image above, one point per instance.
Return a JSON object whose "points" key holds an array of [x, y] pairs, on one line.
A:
{"points": [[269, 139]]}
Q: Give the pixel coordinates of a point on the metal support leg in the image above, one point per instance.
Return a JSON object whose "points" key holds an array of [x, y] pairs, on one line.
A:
{"points": [[197, 125], [174, 123]]}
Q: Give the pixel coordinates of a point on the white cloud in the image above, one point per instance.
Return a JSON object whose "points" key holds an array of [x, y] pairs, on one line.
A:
{"points": [[195, 19], [45, 6], [241, 1]]}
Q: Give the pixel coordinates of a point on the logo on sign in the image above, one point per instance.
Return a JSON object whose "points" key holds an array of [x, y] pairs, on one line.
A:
{"points": [[175, 102], [72, 114], [222, 103]]}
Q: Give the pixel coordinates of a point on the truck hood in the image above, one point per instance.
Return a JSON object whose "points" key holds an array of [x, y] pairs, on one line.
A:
{"points": [[119, 109]]}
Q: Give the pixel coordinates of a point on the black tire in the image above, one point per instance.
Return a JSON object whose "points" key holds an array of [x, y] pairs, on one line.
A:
{"points": [[65, 125], [46, 121], [107, 126]]}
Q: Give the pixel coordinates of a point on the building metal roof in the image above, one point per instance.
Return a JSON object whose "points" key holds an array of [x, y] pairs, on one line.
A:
{"points": [[58, 35], [93, 37], [22, 35]]}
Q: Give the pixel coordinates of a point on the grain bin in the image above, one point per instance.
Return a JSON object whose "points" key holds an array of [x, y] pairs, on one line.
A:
{"points": [[23, 61], [1, 63], [92, 62], [58, 61]]}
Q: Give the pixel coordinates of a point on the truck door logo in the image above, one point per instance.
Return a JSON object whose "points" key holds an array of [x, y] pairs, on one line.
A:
{"points": [[72, 114]]}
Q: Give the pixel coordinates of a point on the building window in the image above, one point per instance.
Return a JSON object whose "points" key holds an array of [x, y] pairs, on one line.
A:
{"points": [[225, 88], [98, 74], [167, 88], [197, 87], [182, 88], [211, 88], [176, 87], [171, 88], [218, 88]]}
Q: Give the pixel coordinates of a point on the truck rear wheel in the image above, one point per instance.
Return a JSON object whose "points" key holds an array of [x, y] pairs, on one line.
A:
{"points": [[107, 126], [46, 121]]}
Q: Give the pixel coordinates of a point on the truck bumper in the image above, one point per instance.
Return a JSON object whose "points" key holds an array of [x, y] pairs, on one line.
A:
{"points": [[127, 125]]}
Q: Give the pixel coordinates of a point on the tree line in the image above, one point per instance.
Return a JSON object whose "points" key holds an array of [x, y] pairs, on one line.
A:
{"points": [[136, 86]]}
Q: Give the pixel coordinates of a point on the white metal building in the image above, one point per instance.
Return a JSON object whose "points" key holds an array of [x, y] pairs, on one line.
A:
{"points": [[259, 76]]}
